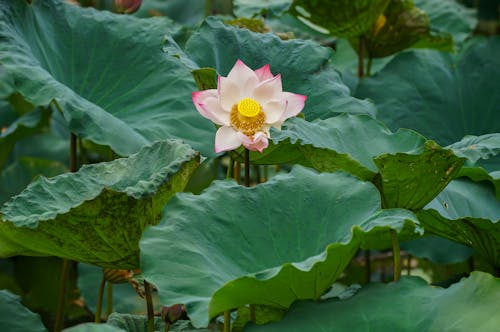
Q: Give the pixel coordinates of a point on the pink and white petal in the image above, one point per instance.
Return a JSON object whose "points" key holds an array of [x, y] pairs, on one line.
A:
{"points": [[227, 139], [244, 77], [258, 142], [229, 93], [267, 90], [264, 73], [274, 110], [213, 111], [199, 98], [294, 104]]}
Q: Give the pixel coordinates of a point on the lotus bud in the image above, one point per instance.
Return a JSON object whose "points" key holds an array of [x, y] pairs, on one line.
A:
{"points": [[127, 6]]}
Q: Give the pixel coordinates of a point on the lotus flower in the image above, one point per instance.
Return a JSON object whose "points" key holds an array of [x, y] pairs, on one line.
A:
{"points": [[246, 104]]}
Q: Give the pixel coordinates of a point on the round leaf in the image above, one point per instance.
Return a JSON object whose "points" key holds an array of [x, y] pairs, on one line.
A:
{"points": [[443, 97], [468, 213], [408, 305], [16, 318], [342, 18], [97, 214], [286, 239], [106, 72], [409, 171]]}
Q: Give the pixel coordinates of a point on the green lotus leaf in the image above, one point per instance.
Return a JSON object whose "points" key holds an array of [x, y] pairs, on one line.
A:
{"points": [[407, 305], [442, 96], [468, 213], [480, 174], [27, 125], [15, 177], [303, 65], [15, 317], [401, 26], [250, 8], [139, 323], [342, 18], [449, 16], [106, 73], [93, 327], [408, 170], [97, 214], [437, 249], [412, 181], [188, 12], [477, 147], [284, 240]]}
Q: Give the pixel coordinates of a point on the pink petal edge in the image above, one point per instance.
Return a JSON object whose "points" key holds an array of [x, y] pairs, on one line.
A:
{"points": [[199, 96], [264, 73], [268, 89], [294, 104], [258, 142]]}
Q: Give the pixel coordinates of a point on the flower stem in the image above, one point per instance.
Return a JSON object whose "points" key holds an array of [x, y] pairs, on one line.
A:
{"points": [[237, 172], [230, 169], [149, 304], [368, 267], [59, 321], [72, 152], [252, 314], [61, 304], [100, 295], [247, 168], [109, 298], [227, 321], [396, 254]]}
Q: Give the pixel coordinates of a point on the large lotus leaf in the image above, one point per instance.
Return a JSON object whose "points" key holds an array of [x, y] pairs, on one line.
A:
{"points": [[484, 150], [272, 244], [341, 18], [480, 174], [6, 85], [183, 11], [468, 213], [139, 323], [409, 171], [132, 323], [437, 249], [303, 65], [449, 16], [15, 177], [249, 8], [442, 96], [97, 214], [16, 318], [93, 327], [402, 25], [27, 125], [407, 305], [412, 181], [107, 73]]}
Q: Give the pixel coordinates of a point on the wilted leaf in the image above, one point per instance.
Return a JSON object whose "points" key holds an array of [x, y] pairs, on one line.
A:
{"points": [[97, 214]]}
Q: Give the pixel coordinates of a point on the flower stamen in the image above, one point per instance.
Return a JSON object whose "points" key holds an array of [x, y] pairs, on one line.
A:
{"points": [[248, 107], [248, 125]]}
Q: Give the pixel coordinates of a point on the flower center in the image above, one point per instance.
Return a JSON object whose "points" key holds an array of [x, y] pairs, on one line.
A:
{"points": [[248, 107], [247, 117]]}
